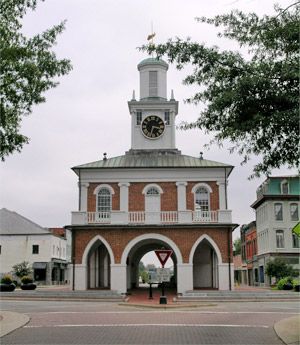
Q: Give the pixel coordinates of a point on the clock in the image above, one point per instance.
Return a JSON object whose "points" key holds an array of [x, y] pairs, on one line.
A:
{"points": [[153, 127]]}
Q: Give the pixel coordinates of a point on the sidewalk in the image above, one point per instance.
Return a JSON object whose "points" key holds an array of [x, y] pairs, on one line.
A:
{"points": [[288, 330], [10, 321]]}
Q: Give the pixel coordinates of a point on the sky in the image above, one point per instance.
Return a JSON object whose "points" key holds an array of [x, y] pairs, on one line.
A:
{"points": [[87, 114]]}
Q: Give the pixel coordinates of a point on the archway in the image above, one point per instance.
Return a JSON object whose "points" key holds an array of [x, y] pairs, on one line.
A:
{"points": [[205, 257], [98, 257], [141, 245]]}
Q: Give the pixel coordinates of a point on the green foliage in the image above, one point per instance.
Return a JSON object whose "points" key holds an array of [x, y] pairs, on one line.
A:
{"points": [[141, 267], [28, 69], [250, 100], [145, 277], [22, 269], [284, 281], [26, 280], [237, 246], [6, 279], [279, 269]]}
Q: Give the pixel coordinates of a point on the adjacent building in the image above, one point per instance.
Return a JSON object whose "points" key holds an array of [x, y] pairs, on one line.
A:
{"points": [[152, 197], [277, 212], [23, 240]]}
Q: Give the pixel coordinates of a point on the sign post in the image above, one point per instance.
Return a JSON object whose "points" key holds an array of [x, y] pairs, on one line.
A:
{"points": [[163, 256]]}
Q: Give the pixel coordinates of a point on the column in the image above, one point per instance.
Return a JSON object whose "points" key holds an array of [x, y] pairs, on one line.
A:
{"points": [[181, 195], [124, 196], [83, 196], [184, 277], [118, 278], [222, 196]]}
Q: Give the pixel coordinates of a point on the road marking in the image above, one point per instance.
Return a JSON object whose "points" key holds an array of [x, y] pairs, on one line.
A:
{"points": [[148, 325], [160, 311]]}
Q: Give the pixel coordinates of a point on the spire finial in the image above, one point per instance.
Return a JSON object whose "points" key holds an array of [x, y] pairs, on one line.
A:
{"points": [[172, 95], [133, 95], [201, 156], [104, 156]]}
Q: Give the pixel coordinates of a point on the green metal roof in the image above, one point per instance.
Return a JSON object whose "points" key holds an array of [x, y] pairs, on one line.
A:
{"points": [[153, 161], [152, 61]]}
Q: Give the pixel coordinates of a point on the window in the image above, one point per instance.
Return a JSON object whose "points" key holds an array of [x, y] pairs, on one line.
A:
{"points": [[278, 211], [152, 191], [104, 200], [0, 248], [202, 199], [167, 117], [294, 212], [284, 187], [296, 241], [279, 239], [138, 117], [152, 83], [35, 249]]}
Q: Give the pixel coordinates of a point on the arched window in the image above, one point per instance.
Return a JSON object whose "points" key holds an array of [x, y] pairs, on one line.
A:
{"points": [[104, 201], [152, 191], [202, 199]]}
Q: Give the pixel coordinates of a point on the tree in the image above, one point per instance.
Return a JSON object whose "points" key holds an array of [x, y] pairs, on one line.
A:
{"points": [[279, 269], [28, 69], [22, 269], [237, 246], [250, 100]]}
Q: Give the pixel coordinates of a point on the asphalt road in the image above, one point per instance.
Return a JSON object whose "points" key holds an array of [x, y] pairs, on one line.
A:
{"points": [[108, 323]]}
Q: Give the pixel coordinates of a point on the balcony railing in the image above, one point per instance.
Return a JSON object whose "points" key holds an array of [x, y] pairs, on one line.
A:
{"points": [[142, 217]]}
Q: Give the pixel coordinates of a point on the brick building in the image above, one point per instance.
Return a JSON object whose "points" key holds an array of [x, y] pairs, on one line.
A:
{"points": [[249, 252], [152, 197]]}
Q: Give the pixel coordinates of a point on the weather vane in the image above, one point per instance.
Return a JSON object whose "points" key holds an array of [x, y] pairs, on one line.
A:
{"points": [[150, 37]]}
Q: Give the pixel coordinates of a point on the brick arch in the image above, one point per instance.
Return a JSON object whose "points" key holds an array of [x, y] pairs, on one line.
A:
{"points": [[211, 242], [150, 236], [91, 243]]}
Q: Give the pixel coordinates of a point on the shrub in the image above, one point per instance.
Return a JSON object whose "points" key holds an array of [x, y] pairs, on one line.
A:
{"points": [[6, 279], [284, 281], [26, 280], [22, 269]]}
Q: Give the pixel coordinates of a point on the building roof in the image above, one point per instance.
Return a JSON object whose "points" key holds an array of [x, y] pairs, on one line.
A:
{"points": [[152, 61], [12, 223], [153, 161]]}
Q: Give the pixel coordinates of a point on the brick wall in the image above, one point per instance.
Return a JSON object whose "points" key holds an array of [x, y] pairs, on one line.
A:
{"points": [[91, 204], [118, 238], [168, 198]]}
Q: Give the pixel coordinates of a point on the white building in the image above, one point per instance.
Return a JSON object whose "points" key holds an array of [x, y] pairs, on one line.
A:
{"points": [[277, 212], [22, 240]]}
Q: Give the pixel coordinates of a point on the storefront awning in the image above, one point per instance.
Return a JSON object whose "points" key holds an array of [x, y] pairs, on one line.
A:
{"points": [[39, 265]]}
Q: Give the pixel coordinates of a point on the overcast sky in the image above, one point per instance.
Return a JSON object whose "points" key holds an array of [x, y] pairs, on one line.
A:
{"points": [[87, 113]]}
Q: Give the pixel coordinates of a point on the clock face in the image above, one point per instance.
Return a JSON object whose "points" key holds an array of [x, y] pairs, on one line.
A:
{"points": [[153, 127]]}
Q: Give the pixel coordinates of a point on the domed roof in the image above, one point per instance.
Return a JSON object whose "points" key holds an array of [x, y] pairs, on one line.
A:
{"points": [[152, 61]]}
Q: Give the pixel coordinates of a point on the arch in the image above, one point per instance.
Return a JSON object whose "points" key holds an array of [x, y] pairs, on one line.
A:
{"points": [[96, 190], [151, 236], [211, 242], [202, 184], [91, 243], [152, 185]]}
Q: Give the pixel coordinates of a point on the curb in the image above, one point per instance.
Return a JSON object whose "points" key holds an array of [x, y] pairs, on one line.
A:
{"points": [[165, 306], [288, 330], [10, 321]]}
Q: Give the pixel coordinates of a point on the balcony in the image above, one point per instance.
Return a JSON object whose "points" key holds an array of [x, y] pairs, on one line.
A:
{"points": [[141, 217]]}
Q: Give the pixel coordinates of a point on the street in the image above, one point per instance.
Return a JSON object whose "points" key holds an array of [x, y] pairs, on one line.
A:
{"points": [[66, 322]]}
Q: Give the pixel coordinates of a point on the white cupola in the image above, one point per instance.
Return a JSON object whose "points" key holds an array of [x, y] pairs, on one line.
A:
{"points": [[153, 115]]}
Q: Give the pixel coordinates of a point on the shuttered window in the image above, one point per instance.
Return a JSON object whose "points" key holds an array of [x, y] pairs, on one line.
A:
{"points": [[152, 83]]}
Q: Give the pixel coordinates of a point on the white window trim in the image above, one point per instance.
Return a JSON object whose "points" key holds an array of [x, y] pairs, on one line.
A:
{"points": [[100, 186], [207, 187], [281, 185], [290, 218], [152, 185], [282, 204]]}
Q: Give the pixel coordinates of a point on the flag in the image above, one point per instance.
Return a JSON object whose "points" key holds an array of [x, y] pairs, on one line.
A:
{"points": [[151, 36], [296, 229]]}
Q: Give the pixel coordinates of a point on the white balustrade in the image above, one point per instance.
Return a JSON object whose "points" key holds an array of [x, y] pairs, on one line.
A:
{"points": [[141, 217]]}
